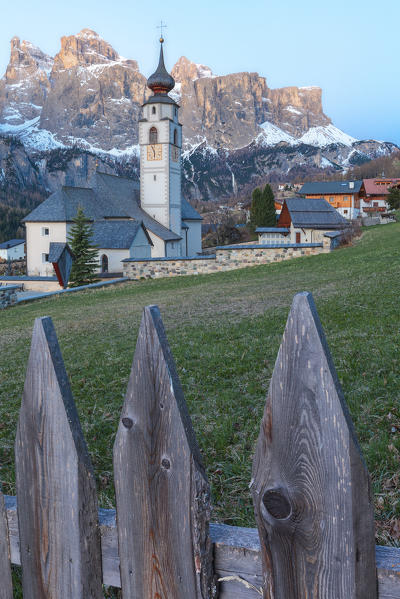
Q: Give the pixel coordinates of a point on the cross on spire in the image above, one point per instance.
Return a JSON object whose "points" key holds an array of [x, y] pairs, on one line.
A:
{"points": [[161, 27]]}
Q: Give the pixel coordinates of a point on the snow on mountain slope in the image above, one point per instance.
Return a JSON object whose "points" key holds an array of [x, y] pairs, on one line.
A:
{"points": [[33, 138], [323, 136], [271, 135]]}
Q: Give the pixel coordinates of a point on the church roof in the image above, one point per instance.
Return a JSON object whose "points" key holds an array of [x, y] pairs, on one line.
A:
{"points": [[107, 196], [116, 235], [161, 82], [188, 212]]}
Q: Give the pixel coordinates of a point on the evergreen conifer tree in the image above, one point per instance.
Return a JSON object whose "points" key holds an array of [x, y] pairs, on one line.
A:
{"points": [[269, 217], [85, 254], [262, 211], [393, 198]]}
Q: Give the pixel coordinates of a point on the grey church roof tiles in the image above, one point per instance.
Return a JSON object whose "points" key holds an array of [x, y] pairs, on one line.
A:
{"points": [[188, 212], [314, 213], [333, 187], [116, 235], [107, 196]]}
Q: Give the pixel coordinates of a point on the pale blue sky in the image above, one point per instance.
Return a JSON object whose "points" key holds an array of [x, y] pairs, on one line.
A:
{"points": [[348, 47]]}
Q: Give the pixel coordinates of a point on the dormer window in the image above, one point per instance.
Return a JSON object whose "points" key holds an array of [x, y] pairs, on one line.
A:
{"points": [[175, 137], [153, 110], [153, 135]]}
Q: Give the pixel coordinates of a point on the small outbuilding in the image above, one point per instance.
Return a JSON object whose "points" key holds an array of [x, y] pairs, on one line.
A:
{"points": [[309, 219], [13, 249]]}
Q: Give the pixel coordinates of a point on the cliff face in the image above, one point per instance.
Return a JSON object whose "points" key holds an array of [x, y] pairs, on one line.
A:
{"points": [[90, 96], [95, 96], [237, 131], [227, 111], [25, 85]]}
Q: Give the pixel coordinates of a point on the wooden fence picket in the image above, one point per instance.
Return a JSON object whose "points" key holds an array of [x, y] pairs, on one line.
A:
{"points": [[310, 485], [6, 591], [162, 492], [57, 502]]}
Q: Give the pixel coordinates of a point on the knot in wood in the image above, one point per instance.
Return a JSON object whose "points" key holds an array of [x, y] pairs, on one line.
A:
{"points": [[277, 504], [127, 422], [166, 464]]}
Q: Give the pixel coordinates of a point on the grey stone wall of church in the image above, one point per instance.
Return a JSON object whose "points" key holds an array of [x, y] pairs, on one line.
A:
{"points": [[225, 258]]}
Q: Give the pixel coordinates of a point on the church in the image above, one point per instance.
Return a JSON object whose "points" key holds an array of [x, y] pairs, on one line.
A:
{"points": [[129, 220]]}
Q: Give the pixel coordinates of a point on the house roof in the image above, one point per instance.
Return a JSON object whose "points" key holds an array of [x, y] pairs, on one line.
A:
{"points": [[272, 230], [314, 213], [116, 234], [326, 187], [11, 243], [107, 196], [371, 188]]}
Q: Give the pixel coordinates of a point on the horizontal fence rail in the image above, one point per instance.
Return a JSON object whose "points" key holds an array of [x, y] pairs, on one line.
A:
{"points": [[237, 557], [310, 487]]}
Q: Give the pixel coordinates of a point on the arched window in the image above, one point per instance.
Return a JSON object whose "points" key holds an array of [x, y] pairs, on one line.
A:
{"points": [[175, 137], [153, 110], [153, 135], [104, 263]]}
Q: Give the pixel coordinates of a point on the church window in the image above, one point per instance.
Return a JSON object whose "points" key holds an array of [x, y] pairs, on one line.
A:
{"points": [[175, 137], [45, 231], [153, 135], [104, 263], [153, 110], [155, 177], [45, 257]]}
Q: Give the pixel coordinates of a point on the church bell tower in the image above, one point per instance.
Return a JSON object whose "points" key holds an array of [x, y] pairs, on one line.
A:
{"points": [[160, 140]]}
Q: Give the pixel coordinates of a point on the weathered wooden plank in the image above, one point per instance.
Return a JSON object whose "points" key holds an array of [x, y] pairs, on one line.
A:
{"points": [[57, 503], [236, 552], [162, 492], [6, 590], [310, 485]]}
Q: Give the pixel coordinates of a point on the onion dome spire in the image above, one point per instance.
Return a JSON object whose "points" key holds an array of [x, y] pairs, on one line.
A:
{"points": [[161, 82]]}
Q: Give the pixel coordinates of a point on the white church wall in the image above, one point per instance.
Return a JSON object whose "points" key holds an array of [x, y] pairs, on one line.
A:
{"points": [[38, 239], [114, 258], [193, 237], [162, 131], [158, 248]]}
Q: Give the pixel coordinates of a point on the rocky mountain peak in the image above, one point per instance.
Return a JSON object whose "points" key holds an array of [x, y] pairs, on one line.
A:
{"points": [[84, 49], [185, 69], [26, 60]]}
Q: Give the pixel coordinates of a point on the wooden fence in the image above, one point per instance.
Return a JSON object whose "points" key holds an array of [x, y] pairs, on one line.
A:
{"points": [[310, 487]]}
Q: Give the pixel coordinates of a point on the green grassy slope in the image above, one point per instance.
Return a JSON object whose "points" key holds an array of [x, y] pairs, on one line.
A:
{"points": [[225, 330]]}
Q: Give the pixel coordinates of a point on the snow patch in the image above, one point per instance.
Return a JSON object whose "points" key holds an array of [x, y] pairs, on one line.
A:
{"points": [[176, 93], [324, 135], [293, 110], [200, 144], [271, 135], [325, 163], [203, 71], [31, 136]]}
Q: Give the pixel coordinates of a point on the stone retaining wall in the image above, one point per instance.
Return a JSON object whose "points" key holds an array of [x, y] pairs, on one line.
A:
{"points": [[8, 295], [226, 258]]}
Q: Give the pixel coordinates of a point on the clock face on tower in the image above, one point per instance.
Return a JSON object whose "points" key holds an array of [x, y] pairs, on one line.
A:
{"points": [[154, 152]]}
